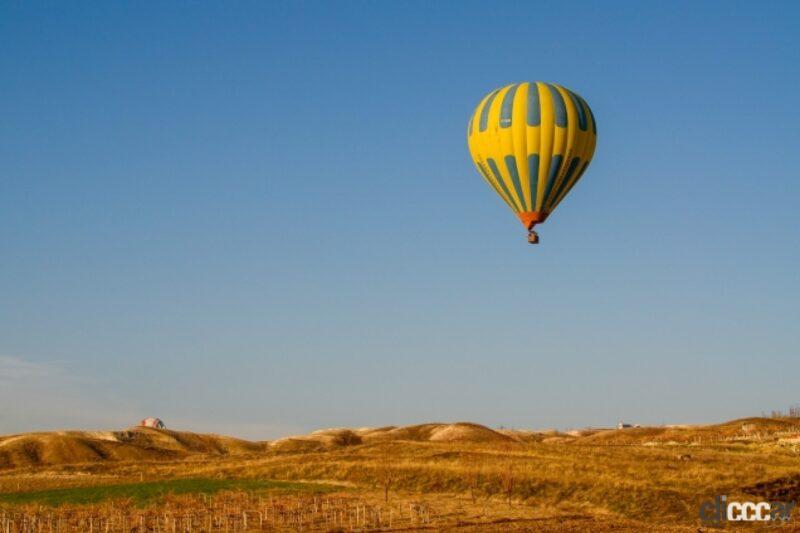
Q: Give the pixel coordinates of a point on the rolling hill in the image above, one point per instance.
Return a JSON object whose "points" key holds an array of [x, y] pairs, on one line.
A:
{"points": [[146, 444]]}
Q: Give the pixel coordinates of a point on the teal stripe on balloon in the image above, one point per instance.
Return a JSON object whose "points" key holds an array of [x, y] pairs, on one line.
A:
{"points": [[533, 173], [499, 177], [573, 165], [589, 109], [507, 108], [555, 166], [511, 165], [581, 112], [534, 110], [489, 180], [559, 109], [485, 111], [575, 181]]}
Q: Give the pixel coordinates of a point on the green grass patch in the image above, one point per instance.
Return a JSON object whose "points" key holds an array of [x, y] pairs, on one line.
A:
{"points": [[150, 492]]}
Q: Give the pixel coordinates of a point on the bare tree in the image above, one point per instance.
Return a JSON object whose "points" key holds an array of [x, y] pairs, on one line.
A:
{"points": [[508, 475], [508, 479], [386, 471]]}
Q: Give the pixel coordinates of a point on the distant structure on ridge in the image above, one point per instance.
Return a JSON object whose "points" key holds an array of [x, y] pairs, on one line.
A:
{"points": [[153, 423]]}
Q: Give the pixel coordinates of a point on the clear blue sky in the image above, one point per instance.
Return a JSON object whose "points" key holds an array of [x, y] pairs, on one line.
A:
{"points": [[261, 218]]}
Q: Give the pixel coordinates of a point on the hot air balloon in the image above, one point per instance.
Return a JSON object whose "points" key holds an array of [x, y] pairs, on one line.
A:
{"points": [[152, 422], [532, 143]]}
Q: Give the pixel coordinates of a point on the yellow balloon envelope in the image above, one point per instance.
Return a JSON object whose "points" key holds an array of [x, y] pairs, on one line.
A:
{"points": [[532, 143]]}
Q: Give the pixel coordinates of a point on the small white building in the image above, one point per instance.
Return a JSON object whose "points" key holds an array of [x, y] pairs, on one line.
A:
{"points": [[151, 422]]}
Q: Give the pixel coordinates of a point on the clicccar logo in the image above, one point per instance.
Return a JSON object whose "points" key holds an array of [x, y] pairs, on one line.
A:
{"points": [[721, 509]]}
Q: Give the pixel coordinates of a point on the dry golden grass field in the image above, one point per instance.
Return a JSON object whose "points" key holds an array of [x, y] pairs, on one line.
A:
{"points": [[427, 477]]}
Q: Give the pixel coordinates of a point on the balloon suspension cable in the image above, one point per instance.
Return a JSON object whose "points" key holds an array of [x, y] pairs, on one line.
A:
{"points": [[533, 237]]}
